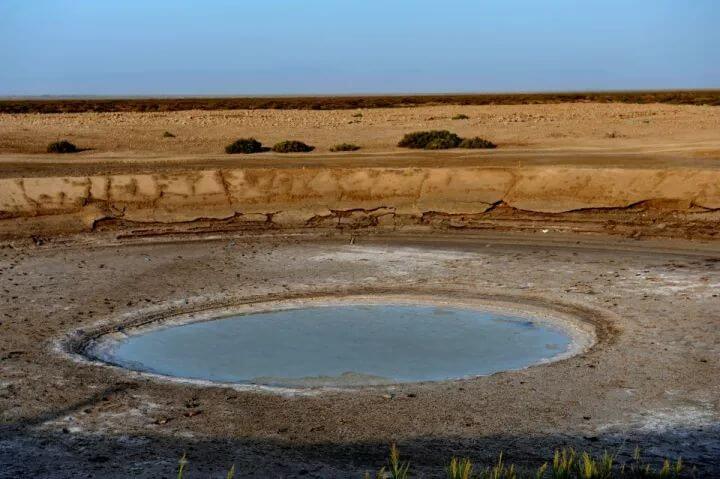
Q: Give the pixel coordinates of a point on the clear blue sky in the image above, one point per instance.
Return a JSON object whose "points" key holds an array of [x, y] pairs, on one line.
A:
{"points": [[246, 47]]}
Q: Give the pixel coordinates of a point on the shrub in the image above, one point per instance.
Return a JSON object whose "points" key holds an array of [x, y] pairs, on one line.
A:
{"points": [[245, 145], [345, 147], [62, 146], [434, 139], [167, 134], [292, 146], [614, 134], [460, 116], [441, 144], [477, 142]]}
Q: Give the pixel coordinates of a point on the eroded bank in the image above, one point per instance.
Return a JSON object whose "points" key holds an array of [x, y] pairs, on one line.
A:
{"points": [[664, 201]]}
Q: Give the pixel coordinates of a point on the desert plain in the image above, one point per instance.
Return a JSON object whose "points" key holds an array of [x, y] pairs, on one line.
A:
{"points": [[605, 212]]}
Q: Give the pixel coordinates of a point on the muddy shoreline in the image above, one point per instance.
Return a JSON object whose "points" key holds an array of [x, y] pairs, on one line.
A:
{"points": [[95, 346]]}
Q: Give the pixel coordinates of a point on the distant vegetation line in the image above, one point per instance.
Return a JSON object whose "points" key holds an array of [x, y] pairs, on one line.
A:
{"points": [[55, 105]]}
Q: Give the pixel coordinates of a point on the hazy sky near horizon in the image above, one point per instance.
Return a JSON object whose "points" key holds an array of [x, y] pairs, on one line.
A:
{"points": [[184, 47]]}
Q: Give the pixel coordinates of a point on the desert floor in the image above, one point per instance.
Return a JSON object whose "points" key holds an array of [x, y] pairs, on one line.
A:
{"points": [[120, 246], [652, 128], [651, 380]]}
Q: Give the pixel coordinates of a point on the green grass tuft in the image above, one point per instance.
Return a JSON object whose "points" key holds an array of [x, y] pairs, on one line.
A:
{"points": [[460, 468], [398, 469], [566, 464], [181, 466]]}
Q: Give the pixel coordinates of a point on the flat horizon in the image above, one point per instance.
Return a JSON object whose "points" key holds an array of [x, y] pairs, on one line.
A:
{"points": [[358, 94]]}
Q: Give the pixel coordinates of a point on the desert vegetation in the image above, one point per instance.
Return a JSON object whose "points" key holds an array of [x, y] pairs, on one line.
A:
{"points": [[675, 97], [292, 146], [62, 146], [430, 140], [245, 146], [441, 140], [565, 464], [345, 147], [476, 142], [460, 116]]}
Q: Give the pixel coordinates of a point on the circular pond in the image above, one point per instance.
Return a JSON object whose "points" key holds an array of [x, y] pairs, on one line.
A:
{"points": [[345, 345]]}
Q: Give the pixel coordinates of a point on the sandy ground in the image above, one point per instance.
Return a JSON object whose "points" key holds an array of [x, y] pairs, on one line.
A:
{"points": [[131, 173], [652, 127], [651, 380]]}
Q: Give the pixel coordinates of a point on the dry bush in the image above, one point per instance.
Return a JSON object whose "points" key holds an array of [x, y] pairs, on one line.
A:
{"points": [[62, 146], [430, 140], [477, 143], [292, 146], [345, 147], [245, 146]]}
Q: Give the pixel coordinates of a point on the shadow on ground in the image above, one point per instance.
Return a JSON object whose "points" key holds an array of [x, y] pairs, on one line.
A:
{"points": [[28, 450]]}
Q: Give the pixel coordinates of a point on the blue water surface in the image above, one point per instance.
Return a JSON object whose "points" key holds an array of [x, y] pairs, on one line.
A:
{"points": [[342, 345]]}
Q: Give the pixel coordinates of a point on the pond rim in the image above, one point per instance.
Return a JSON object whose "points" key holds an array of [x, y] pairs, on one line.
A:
{"points": [[587, 326]]}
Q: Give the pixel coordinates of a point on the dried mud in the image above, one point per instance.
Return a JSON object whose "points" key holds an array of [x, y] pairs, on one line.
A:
{"points": [[650, 380]]}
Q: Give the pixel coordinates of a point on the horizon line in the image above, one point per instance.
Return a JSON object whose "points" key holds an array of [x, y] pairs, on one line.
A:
{"points": [[151, 96]]}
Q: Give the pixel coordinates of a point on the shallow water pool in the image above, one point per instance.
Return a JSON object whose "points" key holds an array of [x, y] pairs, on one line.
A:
{"points": [[347, 345]]}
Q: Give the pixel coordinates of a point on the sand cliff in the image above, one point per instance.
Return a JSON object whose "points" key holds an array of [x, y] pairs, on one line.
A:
{"points": [[297, 197]]}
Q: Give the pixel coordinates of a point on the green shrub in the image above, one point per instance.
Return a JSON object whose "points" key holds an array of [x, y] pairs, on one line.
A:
{"points": [[432, 140], [441, 144], [292, 146], [345, 147], [62, 146], [477, 142], [245, 145], [167, 134], [460, 116]]}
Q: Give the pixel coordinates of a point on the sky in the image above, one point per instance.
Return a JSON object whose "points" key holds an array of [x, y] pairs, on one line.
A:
{"points": [[266, 47]]}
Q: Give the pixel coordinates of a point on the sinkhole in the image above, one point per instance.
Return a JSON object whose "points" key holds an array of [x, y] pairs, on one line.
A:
{"points": [[341, 345]]}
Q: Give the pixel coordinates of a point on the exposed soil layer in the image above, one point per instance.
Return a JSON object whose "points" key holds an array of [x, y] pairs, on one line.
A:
{"points": [[633, 201], [631, 169], [652, 379]]}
